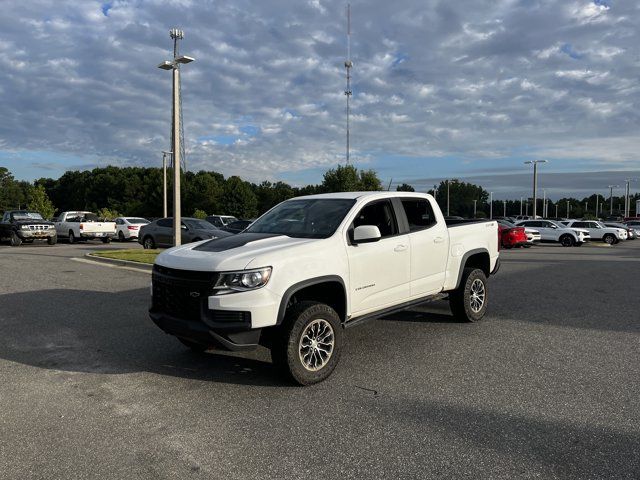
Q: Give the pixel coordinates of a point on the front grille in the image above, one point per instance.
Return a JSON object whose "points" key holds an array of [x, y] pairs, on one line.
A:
{"points": [[181, 293], [38, 227]]}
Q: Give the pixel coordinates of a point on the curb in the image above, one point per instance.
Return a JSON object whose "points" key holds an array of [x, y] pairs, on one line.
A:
{"points": [[144, 267]]}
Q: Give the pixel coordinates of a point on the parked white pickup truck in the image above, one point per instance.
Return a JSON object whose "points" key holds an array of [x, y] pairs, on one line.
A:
{"points": [[76, 226], [313, 265]]}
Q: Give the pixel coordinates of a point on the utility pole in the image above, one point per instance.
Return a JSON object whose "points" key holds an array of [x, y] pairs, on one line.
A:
{"points": [[490, 205], [448, 198], [611, 187], [475, 202], [347, 65], [535, 183], [174, 65], [164, 183]]}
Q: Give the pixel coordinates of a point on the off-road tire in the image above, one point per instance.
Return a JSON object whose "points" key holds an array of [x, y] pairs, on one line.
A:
{"points": [[462, 302], [287, 350], [16, 241], [567, 240]]}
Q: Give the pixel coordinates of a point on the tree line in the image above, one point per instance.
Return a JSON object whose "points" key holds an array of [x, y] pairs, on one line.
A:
{"points": [[137, 191]]}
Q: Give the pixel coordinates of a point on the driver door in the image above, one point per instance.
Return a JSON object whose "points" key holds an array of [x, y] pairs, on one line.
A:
{"points": [[379, 271]]}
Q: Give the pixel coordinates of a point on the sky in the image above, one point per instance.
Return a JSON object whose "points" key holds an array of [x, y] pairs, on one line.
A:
{"points": [[467, 89]]}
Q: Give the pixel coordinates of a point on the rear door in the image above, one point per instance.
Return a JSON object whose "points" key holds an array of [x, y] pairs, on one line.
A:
{"points": [[429, 242], [379, 271]]}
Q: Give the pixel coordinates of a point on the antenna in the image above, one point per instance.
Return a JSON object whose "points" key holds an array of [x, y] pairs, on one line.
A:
{"points": [[347, 65]]}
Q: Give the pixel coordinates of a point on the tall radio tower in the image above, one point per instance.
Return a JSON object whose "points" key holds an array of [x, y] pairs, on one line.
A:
{"points": [[347, 65]]}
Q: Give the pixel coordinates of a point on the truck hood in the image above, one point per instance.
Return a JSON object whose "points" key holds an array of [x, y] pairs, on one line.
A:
{"points": [[229, 253]]}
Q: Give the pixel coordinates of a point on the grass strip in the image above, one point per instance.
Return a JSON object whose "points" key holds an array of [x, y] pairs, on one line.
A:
{"points": [[140, 256]]}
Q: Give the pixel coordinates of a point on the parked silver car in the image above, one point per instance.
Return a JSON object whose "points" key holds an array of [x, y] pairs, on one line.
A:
{"points": [[159, 233]]}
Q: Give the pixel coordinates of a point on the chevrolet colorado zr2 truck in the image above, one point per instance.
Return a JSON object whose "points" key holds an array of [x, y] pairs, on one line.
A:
{"points": [[312, 266]]}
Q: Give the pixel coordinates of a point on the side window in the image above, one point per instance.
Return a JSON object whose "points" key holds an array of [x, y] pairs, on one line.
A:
{"points": [[5, 217], [379, 214], [165, 222], [581, 225], [419, 214]]}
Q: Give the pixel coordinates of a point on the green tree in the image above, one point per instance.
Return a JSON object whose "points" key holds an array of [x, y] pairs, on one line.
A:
{"points": [[405, 187], [348, 179], [39, 201], [238, 199], [108, 214], [201, 214], [461, 197]]}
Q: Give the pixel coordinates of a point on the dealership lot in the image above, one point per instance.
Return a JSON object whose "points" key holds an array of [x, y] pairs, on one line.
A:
{"points": [[545, 387]]}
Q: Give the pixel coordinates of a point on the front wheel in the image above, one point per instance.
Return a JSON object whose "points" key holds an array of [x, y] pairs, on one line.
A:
{"points": [[567, 241], [52, 240], [469, 301], [307, 345], [16, 241], [609, 239]]}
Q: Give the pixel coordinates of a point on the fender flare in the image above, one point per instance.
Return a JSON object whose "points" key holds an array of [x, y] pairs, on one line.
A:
{"points": [[296, 287], [463, 262]]}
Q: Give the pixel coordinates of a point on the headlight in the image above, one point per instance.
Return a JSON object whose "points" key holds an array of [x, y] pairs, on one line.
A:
{"points": [[243, 280], [24, 227], [51, 227]]}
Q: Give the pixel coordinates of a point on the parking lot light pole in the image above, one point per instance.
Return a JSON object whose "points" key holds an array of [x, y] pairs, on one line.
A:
{"points": [[174, 66], [504, 202], [491, 205], [567, 208], [597, 195], [164, 183], [520, 206], [475, 204], [556, 210], [544, 203], [611, 187], [448, 198], [535, 183]]}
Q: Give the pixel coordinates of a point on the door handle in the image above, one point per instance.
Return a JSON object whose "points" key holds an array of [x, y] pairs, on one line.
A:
{"points": [[400, 248], [438, 240]]}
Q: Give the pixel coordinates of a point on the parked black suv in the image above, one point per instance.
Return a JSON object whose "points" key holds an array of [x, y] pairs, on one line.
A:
{"points": [[23, 226]]}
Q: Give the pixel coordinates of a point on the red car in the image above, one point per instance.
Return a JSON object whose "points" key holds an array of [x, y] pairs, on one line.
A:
{"points": [[512, 237]]}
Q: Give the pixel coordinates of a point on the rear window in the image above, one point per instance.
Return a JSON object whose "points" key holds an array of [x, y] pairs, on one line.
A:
{"points": [[419, 213], [137, 220]]}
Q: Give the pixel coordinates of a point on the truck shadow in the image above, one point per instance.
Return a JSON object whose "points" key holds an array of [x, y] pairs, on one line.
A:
{"points": [[111, 333]]}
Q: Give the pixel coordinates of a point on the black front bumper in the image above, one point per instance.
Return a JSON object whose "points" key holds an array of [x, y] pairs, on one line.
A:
{"points": [[179, 306], [222, 336]]}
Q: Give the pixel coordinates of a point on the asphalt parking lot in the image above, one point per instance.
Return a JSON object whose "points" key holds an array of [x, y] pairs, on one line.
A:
{"points": [[547, 386]]}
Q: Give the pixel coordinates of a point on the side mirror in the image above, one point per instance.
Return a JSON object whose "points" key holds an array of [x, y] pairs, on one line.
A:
{"points": [[366, 234], [184, 227], [554, 226]]}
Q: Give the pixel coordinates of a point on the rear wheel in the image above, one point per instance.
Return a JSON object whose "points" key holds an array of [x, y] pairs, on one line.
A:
{"points": [[308, 344], [121, 236], [106, 240], [72, 237], [16, 241], [609, 238], [567, 241], [469, 301], [148, 243]]}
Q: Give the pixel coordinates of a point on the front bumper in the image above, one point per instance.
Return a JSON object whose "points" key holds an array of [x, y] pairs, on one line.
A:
{"points": [[183, 304], [36, 234]]}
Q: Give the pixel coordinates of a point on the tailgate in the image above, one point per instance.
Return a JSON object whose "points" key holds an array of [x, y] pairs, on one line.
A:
{"points": [[98, 227]]}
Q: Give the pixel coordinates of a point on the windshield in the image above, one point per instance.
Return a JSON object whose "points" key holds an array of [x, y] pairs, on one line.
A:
{"points": [[199, 224], [26, 216], [312, 218], [137, 220], [507, 223]]}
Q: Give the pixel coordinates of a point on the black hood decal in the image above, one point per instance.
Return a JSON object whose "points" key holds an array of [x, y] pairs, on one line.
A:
{"points": [[234, 241]]}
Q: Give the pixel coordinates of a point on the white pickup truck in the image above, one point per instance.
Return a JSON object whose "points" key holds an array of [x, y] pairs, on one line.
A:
{"points": [[312, 266], [76, 226]]}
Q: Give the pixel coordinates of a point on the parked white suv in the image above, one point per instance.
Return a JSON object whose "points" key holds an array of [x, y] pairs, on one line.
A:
{"points": [[551, 231], [599, 231], [313, 265]]}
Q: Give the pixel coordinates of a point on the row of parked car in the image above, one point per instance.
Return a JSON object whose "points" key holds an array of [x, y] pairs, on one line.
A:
{"points": [[24, 226], [517, 232]]}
